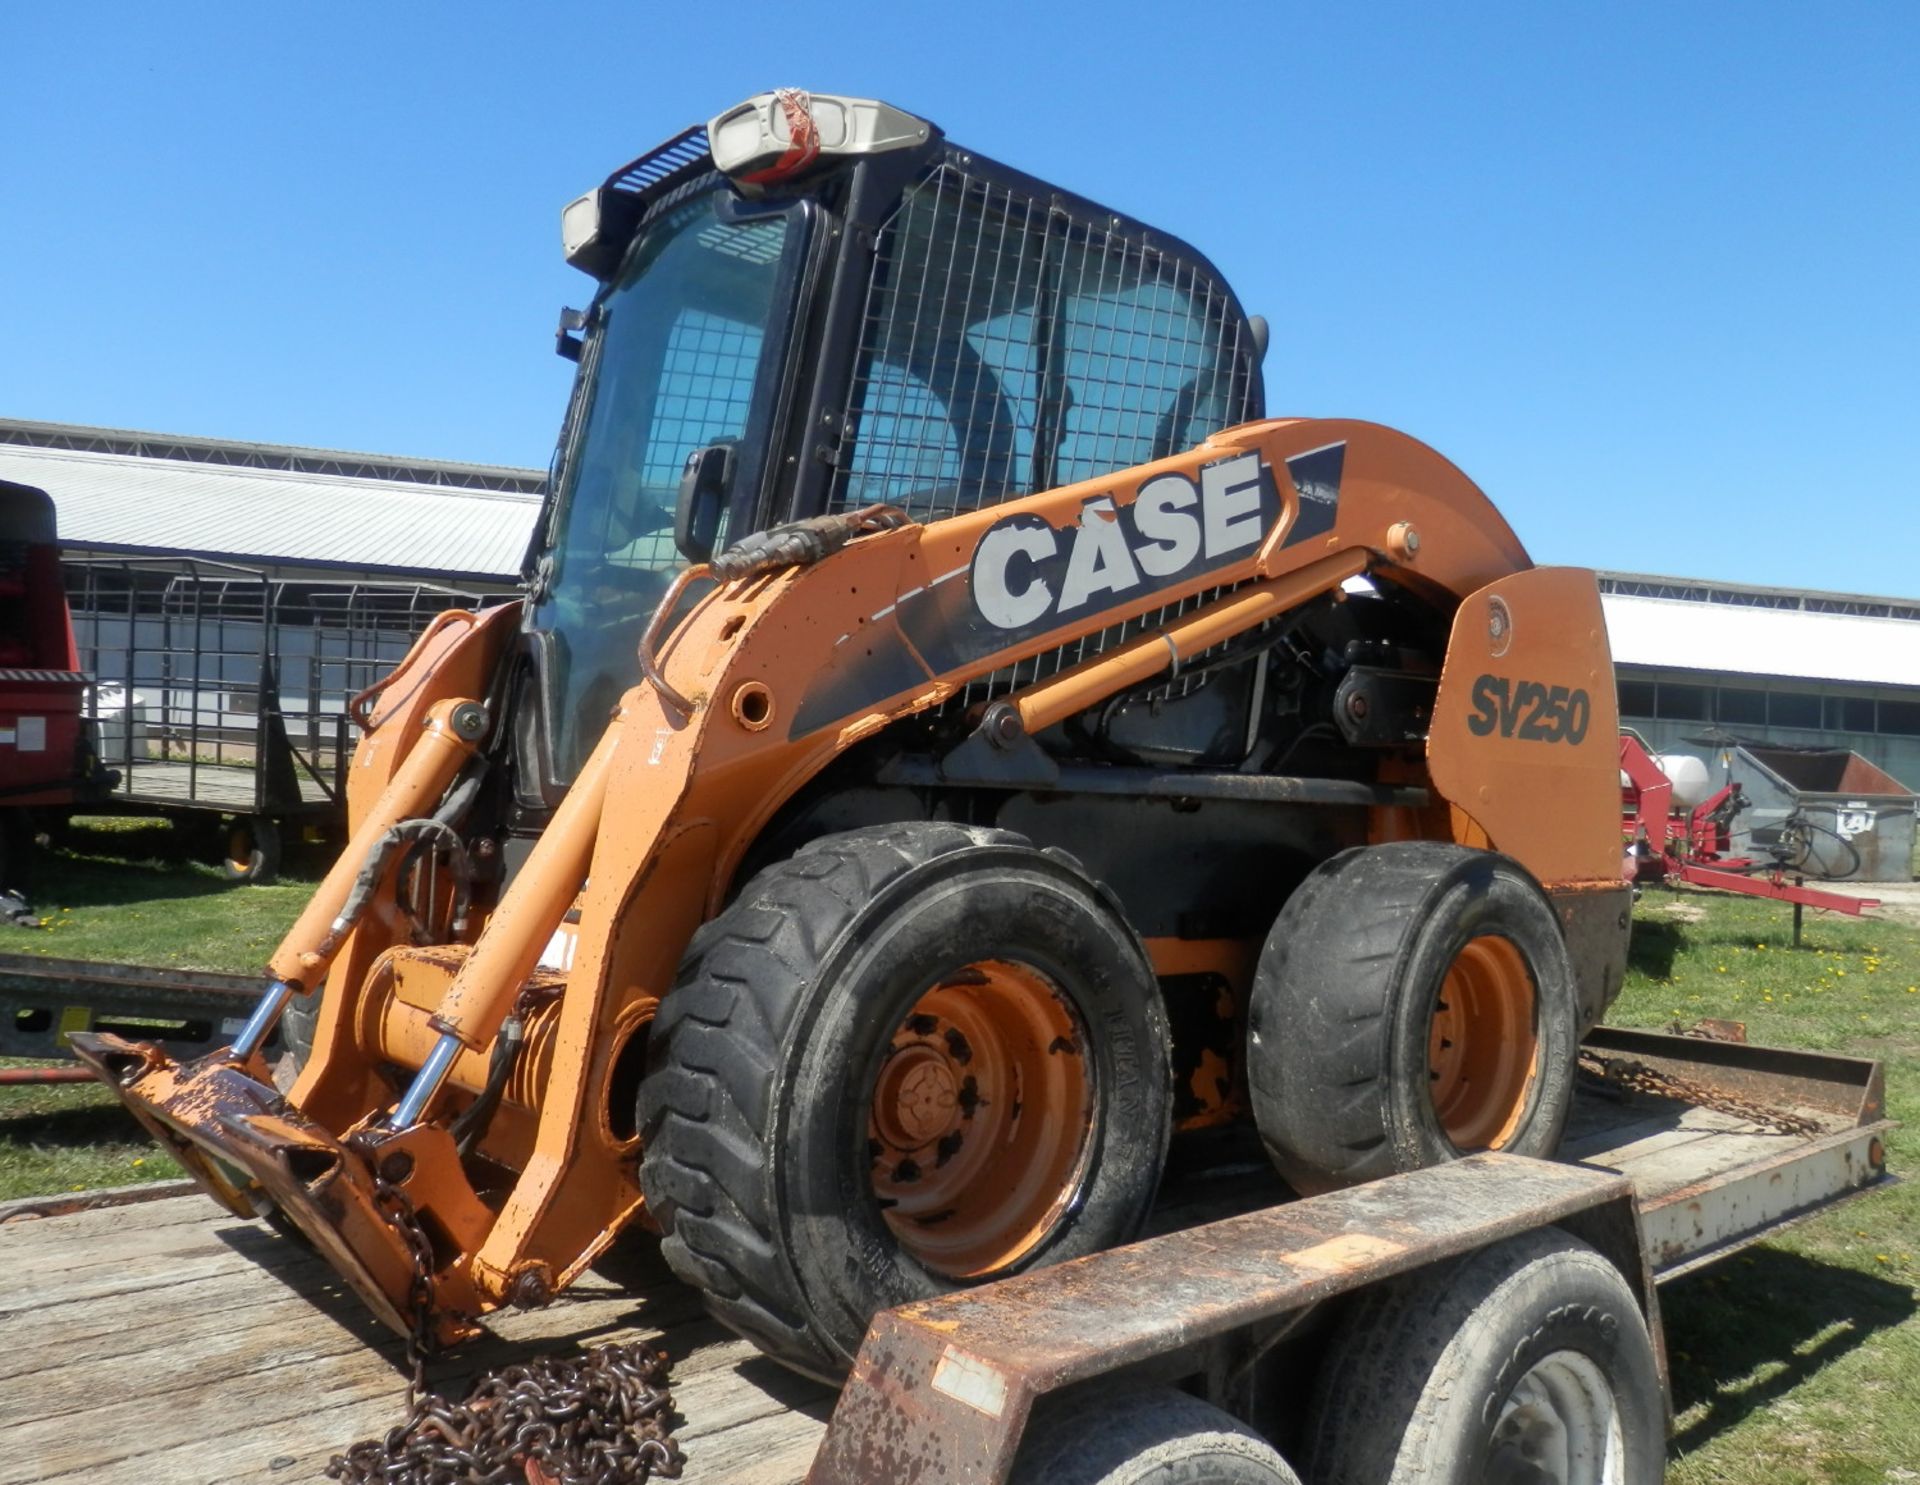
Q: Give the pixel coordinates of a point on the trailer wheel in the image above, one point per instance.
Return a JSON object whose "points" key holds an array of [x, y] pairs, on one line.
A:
{"points": [[1143, 1436], [252, 851], [1413, 1003], [1528, 1361], [905, 1060]]}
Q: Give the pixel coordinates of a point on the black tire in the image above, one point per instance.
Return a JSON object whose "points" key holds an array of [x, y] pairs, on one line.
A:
{"points": [[1345, 1016], [1143, 1436], [1421, 1381], [763, 1061], [252, 852], [298, 1023]]}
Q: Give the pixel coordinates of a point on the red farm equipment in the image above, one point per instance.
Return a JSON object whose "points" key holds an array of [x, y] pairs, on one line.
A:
{"points": [[46, 759], [1688, 838]]}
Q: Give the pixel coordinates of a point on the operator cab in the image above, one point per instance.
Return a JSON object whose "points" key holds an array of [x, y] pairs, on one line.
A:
{"points": [[817, 303]]}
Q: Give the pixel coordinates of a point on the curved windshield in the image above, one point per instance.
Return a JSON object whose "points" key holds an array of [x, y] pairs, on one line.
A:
{"points": [[678, 352]]}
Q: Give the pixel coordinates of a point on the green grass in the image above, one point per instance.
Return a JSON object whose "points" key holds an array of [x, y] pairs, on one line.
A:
{"points": [[142, 891], [135, 891], [72, 1137], [1793, 1364], [1796, 1362]]}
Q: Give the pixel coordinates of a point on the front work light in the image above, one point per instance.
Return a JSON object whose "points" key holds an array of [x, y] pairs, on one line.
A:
{"points": [[580, 224]]}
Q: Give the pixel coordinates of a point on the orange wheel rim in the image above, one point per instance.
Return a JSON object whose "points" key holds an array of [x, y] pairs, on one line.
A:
{"points": [[981, 1119], [1482, 1050], [239, 848]]}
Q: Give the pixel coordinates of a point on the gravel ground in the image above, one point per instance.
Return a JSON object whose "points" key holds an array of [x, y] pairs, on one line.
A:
{"points": [[1899, 901]]}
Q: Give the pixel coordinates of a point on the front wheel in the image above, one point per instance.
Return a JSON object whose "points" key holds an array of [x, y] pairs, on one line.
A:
{"points": [[905, 1060], [1526, 1363]]}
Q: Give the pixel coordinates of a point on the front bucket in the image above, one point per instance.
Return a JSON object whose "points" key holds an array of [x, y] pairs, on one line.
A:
{"points": [[253, 1152]]}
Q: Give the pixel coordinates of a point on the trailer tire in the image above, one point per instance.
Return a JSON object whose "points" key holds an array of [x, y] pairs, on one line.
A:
{"points": [[1378, 955], [252, 852], [1441, 1376], [1143, 1436], [852, 998]]}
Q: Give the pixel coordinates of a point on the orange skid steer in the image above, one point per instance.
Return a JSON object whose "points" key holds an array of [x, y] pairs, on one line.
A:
{"points": [[951, 746]]}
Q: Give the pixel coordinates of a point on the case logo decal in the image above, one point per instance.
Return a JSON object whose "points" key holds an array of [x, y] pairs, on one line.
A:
{"points": [[1028, 575]]}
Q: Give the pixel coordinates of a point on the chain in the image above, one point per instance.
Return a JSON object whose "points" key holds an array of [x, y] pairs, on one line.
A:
{"points": [[1623, 1076], [549, 1421], [599, 1420], [397, 1211]]}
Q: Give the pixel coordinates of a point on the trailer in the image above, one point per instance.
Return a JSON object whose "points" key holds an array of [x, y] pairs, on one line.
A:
{"points": [[169, 1341], [223, 691]]}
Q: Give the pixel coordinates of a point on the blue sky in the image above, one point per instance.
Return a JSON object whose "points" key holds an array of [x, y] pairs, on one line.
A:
{"points": [[1649, 273]]}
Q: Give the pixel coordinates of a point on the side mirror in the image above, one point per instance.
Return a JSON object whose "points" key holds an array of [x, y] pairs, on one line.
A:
{"points": [[704, 486], [567, 340]]}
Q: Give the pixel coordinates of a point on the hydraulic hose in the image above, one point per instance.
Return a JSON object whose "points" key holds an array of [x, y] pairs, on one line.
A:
{"points": [[373, 870], [471, 1127]]}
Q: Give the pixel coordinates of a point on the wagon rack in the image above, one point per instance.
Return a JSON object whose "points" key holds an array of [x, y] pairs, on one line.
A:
{"points": [[221, 689]]}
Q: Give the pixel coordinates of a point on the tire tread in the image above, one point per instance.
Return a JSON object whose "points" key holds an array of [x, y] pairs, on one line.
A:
{"points": [[708, 1121]]}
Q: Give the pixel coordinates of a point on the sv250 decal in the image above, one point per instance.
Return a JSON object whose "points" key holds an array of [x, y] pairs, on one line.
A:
{"points": [[1529, 710]]}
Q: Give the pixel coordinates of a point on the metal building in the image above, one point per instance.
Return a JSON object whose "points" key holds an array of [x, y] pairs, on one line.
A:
{"points": [[1703, 666]]}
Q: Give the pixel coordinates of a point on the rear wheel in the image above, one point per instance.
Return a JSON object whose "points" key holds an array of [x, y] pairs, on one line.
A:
{"points": [[1143, 1436], [1414, 1003], [904, 1060], [1527, 1363]]}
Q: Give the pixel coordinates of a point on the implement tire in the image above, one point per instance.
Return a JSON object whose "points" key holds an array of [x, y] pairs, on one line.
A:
{"points": [[904, 1060], [1415, 1002], [252, 850]]}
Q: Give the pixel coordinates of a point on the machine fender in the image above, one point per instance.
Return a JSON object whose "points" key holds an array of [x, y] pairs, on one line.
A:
{"points": [[1525, 726]]}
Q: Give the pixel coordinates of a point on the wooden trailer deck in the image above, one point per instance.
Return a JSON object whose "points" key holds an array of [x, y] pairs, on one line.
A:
{"points": [[221, 786], [166, 1342]]}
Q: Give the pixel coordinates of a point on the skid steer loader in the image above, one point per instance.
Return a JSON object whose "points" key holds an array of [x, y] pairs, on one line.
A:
{"points": [[951, 739]]}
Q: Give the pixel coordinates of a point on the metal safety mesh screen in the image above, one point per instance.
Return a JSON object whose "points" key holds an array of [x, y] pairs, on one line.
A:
{"points": [[1010, 347]]}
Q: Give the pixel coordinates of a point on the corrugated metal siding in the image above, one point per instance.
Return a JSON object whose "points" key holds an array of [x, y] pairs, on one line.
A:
{"points": [[282, 516], [1676, 634]]}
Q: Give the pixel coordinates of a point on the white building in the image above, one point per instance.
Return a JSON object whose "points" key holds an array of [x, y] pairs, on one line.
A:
{"points": [[1701, 664]]}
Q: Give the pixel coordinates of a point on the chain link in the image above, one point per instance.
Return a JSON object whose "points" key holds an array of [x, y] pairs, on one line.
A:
{"points": [[550, 1421], [1623, 1076], [397, 1211]]}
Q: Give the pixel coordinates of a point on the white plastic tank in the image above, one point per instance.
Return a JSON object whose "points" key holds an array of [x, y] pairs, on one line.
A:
{"points": [[1691, 784]]}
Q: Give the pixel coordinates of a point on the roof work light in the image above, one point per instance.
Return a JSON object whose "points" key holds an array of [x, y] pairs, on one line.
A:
{"points": [[776, 135], [770, 138]]}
